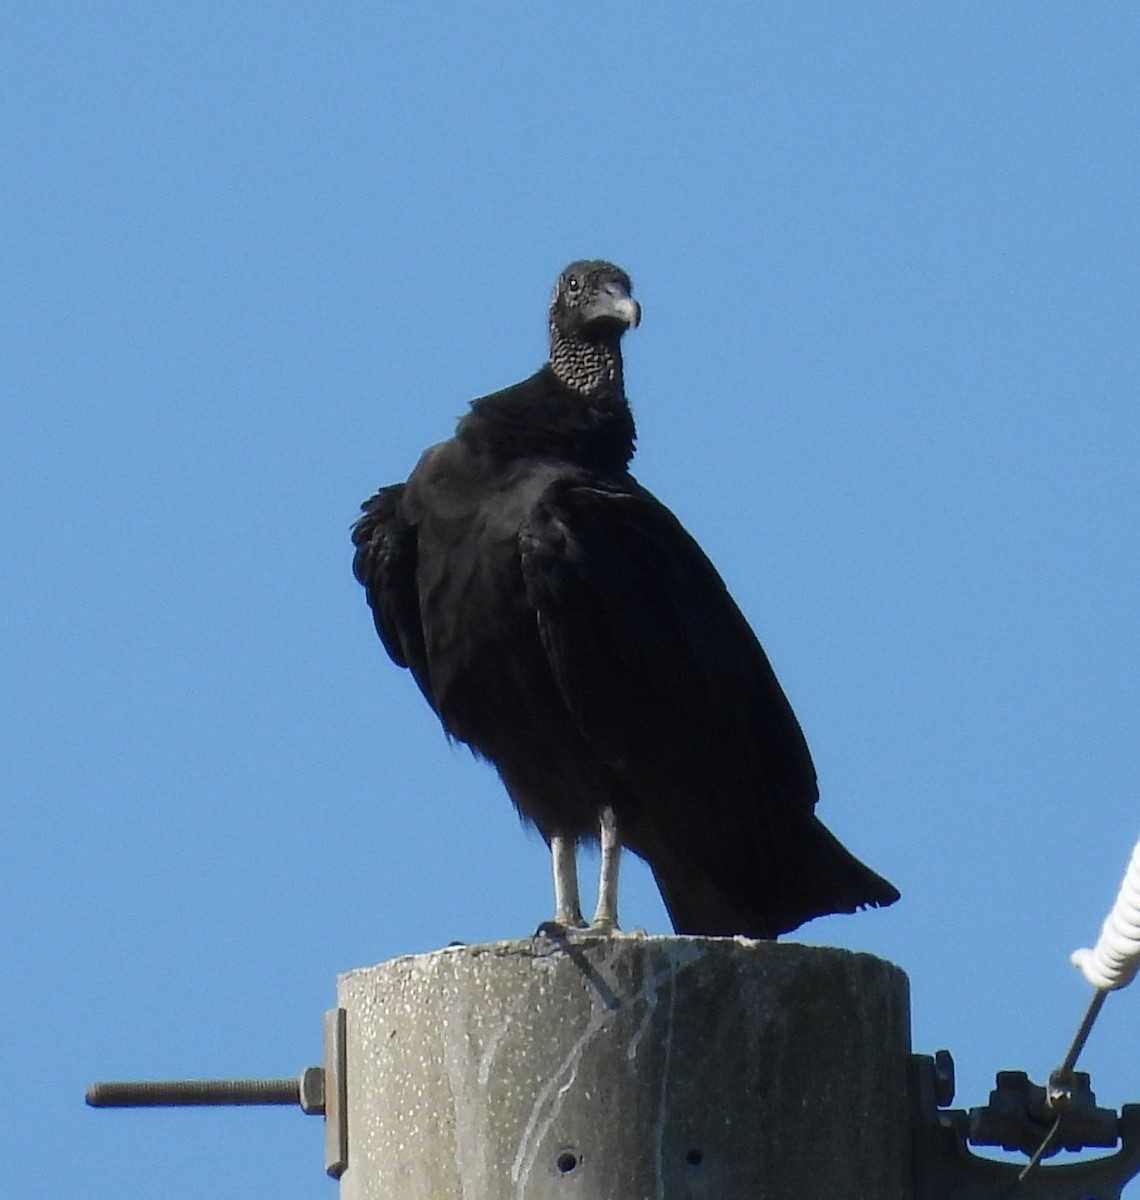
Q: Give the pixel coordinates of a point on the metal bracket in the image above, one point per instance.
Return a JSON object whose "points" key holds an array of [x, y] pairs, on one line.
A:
{"points": [[1021, 1116], [945, 1168], [336, 1094], [319, 1091]]}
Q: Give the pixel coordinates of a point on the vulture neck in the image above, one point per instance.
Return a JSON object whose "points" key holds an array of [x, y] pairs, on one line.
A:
{"points": [[574, 410], [586, 367]]}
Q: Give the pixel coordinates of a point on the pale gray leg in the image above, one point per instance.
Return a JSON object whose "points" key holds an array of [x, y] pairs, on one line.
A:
{"points": [[606, 916], [567, 908]]}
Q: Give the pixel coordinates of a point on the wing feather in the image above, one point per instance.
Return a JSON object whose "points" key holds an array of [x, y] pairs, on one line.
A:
{"points": [[385, 563], [667, 680]]}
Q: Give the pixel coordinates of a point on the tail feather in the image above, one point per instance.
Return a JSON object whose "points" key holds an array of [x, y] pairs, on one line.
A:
{"points": [[815, 875]]}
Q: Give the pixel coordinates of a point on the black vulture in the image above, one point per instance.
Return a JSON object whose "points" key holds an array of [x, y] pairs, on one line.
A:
{"points": [[562, 623]]}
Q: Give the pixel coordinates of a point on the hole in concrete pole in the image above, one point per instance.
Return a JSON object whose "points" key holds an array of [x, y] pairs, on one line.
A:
{"points": [[695, 1157], [566, 1162]]}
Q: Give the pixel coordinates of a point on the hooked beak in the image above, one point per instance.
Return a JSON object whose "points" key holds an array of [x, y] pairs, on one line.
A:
{"points": [[613, 303]]}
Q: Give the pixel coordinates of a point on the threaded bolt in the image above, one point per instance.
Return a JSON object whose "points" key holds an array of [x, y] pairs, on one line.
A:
{"points": [[157, 1093]]}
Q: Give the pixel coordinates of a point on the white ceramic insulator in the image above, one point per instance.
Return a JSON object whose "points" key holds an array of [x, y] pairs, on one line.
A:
{"points": [[1115, 959]]}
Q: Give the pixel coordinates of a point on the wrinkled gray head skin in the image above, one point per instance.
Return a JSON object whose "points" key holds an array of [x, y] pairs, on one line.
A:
{"points": [[592, 300], [590, 310]]}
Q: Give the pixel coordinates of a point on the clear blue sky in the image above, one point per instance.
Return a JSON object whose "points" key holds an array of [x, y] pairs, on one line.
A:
{"points": [[256, 256]]}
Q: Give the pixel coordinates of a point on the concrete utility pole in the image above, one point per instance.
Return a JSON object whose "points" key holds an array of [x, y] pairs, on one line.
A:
{"points": [[628, 1068], [678, 1068]]}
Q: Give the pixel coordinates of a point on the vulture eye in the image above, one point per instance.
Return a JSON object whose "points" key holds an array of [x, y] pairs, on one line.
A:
{"points": [[572, 284]]}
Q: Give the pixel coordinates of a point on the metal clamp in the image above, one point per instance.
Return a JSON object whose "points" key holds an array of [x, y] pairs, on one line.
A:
{"points": [[1020, 1116]]}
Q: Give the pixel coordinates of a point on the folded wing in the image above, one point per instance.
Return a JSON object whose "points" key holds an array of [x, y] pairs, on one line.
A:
{"points": [[673, 691]]}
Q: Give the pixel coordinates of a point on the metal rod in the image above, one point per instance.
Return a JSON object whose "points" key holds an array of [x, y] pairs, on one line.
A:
{"points": [[1083, 1032], [157, 1093]]}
